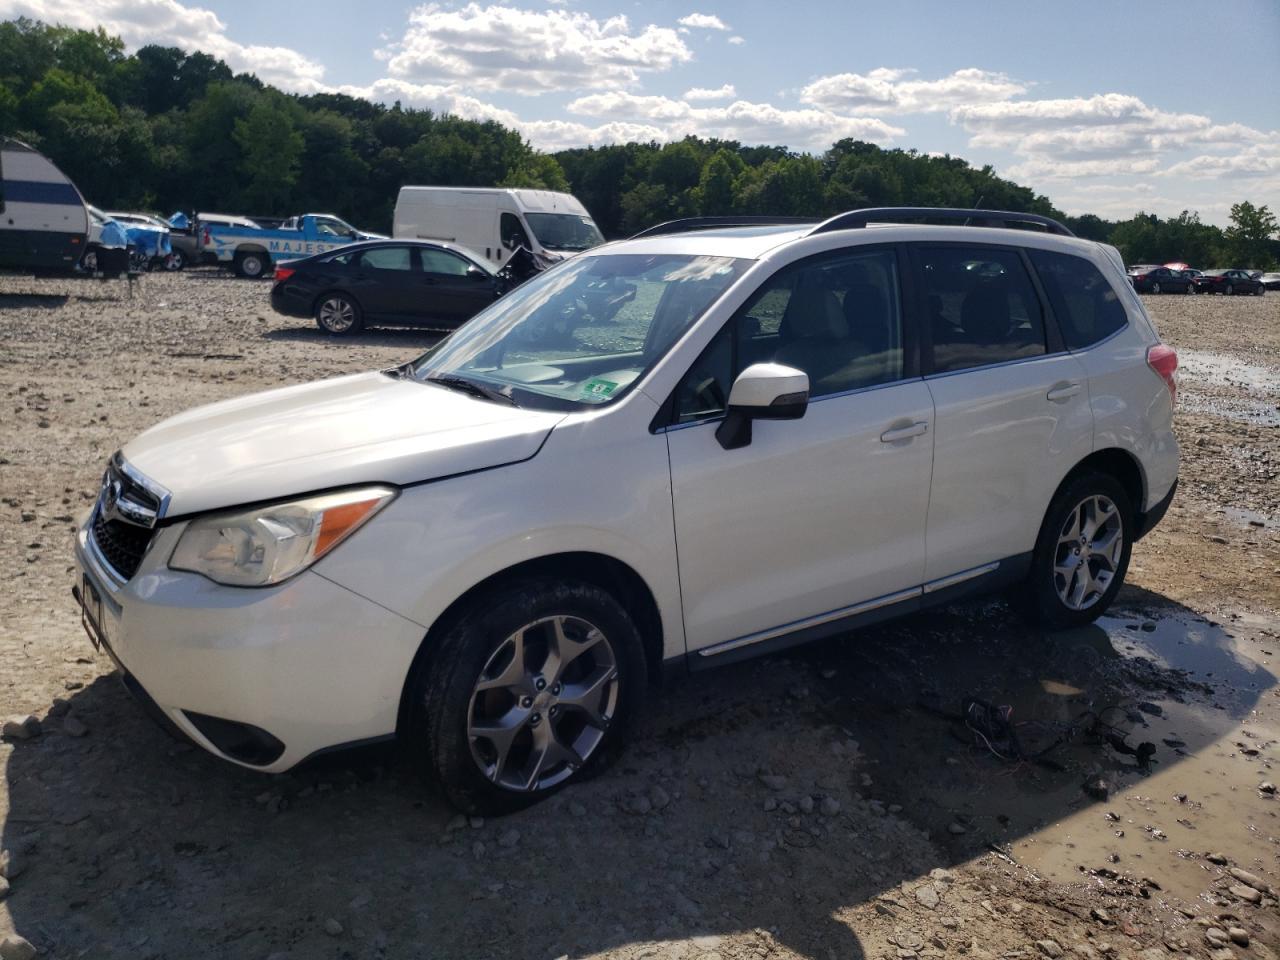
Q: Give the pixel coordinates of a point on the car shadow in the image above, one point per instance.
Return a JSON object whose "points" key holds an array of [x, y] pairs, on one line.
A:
{"points": [[135, 844]]}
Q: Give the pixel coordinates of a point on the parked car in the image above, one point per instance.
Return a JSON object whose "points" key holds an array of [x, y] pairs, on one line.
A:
{"points": [[253, 252], [1228, 282], [1271, 281], [154, 238], [393, 282], [1160, 280], [782, 433], [494, 223]]}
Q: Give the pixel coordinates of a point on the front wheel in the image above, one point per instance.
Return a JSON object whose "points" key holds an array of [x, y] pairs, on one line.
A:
{"points": [[530, 690], [1082, 553], [1230, 289], [1155, 288], [175, 261], [1191, 288], [338, 314]]}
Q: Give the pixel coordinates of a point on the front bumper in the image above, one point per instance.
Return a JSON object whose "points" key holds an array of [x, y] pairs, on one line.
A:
{"points": [[307, 662]]}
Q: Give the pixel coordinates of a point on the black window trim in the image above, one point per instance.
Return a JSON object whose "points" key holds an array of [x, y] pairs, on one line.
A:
{"points": [[908, 304], [1054, 345]]}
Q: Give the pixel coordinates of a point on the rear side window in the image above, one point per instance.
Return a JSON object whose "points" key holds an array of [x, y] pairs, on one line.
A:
{"points": [[1087, 307], [386, 258], [982, 307]]}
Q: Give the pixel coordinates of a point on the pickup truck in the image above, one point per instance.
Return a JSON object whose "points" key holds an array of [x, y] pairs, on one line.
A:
{"points": [[254, 252]]}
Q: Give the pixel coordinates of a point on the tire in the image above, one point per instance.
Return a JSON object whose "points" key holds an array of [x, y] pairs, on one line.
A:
{"points": [[1057, 596], [1155, 287], [338, 315], [89, 261], [1230, 289], [501, 775], [252, 265], [175, 261], [1191, 288]]}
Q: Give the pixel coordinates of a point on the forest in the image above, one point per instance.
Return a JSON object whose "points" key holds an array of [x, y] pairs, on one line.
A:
{"points": [[163, 130]]}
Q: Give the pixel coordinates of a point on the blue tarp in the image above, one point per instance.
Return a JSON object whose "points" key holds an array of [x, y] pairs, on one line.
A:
{"points": [[151, 241], [179, 221], [113, 235]]}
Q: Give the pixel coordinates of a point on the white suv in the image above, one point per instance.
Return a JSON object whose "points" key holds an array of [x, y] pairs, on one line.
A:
{"points": [[689, 447]]}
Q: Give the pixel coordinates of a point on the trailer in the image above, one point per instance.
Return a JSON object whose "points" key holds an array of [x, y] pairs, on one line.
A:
{"points": [[44, 225]]}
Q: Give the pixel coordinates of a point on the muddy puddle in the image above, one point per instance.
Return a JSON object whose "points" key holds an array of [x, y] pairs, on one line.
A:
{"points": [[1158, 715], [1219, 384]]}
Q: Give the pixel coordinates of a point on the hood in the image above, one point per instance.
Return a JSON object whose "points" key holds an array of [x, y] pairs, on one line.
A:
{"points": [[361, 235], [364, 428]]}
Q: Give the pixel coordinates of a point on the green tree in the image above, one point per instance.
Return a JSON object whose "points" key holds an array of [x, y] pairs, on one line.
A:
{"points": [[271, 151], [1247, 242], [715, 183]]}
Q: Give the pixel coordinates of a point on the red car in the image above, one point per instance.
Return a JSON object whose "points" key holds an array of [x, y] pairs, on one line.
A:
{"points": [[1228, 282]]}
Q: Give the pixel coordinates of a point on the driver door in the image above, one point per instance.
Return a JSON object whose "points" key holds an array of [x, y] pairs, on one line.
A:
{"points": [[819, 518]]}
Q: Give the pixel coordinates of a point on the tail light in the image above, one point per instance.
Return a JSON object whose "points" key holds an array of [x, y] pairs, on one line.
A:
{"points": [[284, 273], [208, 237], [1163, 359]]}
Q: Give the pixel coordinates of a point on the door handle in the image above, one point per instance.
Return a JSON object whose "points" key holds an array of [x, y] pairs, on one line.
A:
{"points": [[904, 433], [1062, 392]]}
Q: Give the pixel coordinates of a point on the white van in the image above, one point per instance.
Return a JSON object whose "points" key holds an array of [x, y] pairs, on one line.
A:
{"points": [[492, 223]]}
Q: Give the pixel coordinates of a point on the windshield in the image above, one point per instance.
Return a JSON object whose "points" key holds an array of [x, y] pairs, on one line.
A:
{"points": [[564, 231], [583, 332]]}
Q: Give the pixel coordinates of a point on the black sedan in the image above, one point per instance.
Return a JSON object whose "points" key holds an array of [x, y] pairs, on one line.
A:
{"points": [[1228, 282], [1159, 280], [403, 283]]}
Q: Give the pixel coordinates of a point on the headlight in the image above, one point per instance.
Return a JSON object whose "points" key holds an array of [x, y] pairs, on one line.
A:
{"points": [[264, 545]]}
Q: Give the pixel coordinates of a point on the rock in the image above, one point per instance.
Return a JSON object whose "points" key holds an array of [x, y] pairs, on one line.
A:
{"points": [[458, 821], [11, 864], [73, 727], [830, 806], [658, 797], [4, 888], [14, 947], [770, 804], [509, 838], [1222, 953], [59, 707], [1097, 787], [927, 896], [639, 805], [805, 804], [477, 823], [1247, 894], [1049, 948], [577, 809], [1217, 858], [1266, 786], [956, 829], [332, 927], [1239, 936], [774, 781], [1100, 915], [21, 728], [1216, 938], [1252, 880]]}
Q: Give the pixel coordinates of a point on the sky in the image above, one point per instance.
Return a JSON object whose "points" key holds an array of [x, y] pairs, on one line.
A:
{"points": [[1105, 107]]}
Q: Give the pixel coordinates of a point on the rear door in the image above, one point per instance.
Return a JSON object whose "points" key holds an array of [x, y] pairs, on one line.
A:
{"points": [[1011, 406], [387, 282], [453, 292]]}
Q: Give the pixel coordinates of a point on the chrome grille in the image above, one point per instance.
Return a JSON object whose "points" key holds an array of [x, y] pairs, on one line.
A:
{"points": [[124, 517]]}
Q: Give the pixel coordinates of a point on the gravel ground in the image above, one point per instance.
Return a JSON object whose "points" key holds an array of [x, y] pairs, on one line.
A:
{"points": [[823, 805]]}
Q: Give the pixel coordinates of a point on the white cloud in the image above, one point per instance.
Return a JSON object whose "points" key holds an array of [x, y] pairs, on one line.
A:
{"points": [[1260, 160], [704, 93], [169, 23], [703, 21], [888, 90], [736, 40], [529, 51], [562, 134], [429, 96], [740, 120]]}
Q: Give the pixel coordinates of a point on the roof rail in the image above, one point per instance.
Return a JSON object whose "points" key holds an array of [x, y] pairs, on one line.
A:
{"points": [[976, 218], [689, 224]]}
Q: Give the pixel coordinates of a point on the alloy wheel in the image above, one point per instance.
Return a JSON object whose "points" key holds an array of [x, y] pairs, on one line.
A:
{"points": [[543, 703], [1090, 545], [337, 315]]}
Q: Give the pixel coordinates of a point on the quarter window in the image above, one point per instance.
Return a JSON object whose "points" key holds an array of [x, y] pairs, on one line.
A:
{"points": [[837, 317], [981, 307], [1086, 306]]}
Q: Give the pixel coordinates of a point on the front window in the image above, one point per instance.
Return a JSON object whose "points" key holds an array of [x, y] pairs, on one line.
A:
{"points": [[582, 333], [564, 231]]}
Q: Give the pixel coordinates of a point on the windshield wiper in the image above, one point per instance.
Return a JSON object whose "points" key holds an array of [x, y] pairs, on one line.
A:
{"points": [[471, 387]]}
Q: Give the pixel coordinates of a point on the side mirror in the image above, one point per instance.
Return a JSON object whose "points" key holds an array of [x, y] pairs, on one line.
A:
{"points": [[475, 273], [763, 391]]}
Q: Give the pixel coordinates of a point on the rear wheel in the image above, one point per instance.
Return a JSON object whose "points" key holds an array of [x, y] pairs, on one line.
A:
{"points": [[532, 688], [1155, 287], [1230, 289], [175, 261], [338, 314], [1082, 553], [252, 265], [1191, 288]]}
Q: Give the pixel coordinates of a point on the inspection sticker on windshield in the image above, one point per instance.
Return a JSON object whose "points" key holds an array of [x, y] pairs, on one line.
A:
{"points": [[595, 389]]}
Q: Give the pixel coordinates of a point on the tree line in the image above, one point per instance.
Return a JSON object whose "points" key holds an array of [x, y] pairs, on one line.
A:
{"points": [[164, 130]]}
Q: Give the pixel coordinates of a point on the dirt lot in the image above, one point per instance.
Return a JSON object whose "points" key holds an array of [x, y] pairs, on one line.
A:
{"points": [[823, 806]]}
